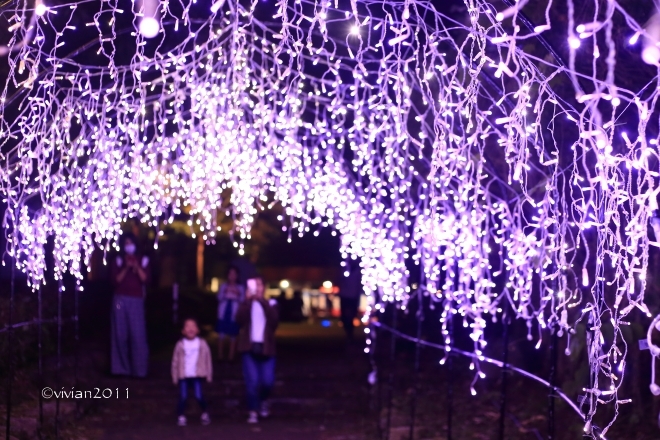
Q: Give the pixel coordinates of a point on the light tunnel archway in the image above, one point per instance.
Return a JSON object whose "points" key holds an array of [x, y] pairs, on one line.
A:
{"points": [[421, 134]]}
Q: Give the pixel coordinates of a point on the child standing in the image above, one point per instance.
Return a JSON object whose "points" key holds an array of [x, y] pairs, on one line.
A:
{"points": [[191, 364]]}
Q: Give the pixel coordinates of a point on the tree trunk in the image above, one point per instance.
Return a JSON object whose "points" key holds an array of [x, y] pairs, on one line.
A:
{"points": [[200, 261]]}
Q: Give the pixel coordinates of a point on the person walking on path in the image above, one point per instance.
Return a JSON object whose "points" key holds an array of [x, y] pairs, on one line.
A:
{"points": [[129, 352], [230, 295], [350, 290], [258, 321], [191, 365]]}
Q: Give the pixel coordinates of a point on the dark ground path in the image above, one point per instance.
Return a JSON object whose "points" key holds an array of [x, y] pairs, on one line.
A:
{"points": [[321, 390], [320, 393]]}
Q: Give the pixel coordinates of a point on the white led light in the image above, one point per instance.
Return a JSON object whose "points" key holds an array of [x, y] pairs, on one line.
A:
{"points": [[215, 7], [149, 27], [651, 55], [40, 8], [634, 38]]}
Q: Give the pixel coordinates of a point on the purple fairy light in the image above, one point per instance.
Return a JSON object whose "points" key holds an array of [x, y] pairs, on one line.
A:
{"points": [[429, 143]]}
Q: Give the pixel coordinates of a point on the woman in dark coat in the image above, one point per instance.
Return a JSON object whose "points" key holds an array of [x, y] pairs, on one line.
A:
{"points": [[129, 352]]}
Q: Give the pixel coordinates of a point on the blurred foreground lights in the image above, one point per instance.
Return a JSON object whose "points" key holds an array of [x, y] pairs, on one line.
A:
{"points": [[40, 9], [149, 27], [284, 284], [651, 52], [215, 7], [327, 284], [651, 55]]}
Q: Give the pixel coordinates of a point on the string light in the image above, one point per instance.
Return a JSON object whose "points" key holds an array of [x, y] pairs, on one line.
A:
{"points": [[149, 27], [427, 144], [40, 8]]}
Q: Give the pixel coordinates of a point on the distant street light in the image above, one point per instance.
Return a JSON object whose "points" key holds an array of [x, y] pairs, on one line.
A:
{"points": [[284, 284], [327, 284]]}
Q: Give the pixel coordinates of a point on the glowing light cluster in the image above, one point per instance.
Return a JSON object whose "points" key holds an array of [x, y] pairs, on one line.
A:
{"points": [[440, 147]]}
